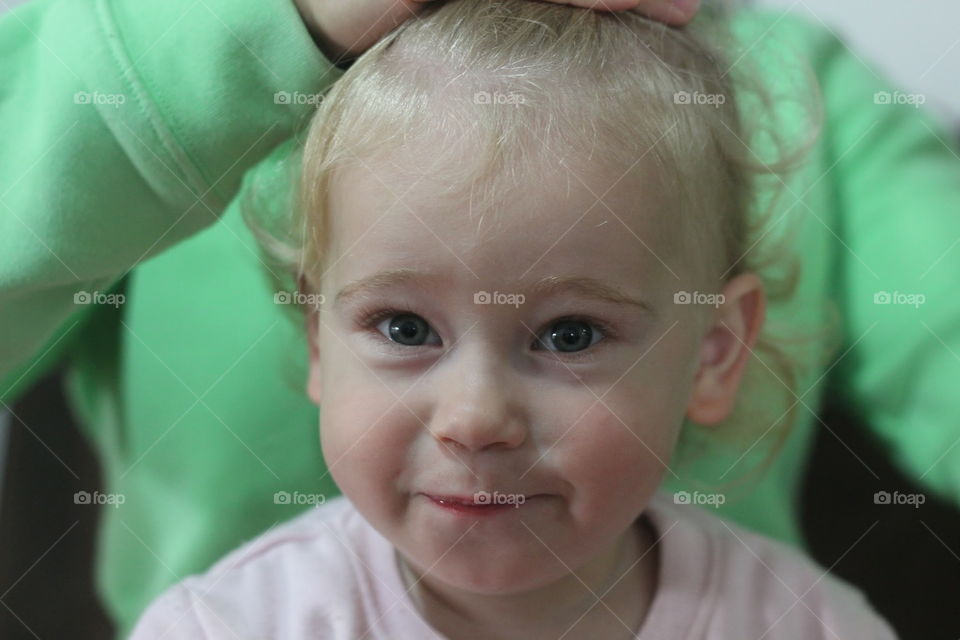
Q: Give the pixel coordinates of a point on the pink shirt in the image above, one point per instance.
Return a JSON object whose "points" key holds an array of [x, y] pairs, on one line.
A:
{"points": [[328, 574]]}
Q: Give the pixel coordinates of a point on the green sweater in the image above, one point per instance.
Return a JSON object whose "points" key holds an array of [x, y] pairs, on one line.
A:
{"points": [[129, 128]]}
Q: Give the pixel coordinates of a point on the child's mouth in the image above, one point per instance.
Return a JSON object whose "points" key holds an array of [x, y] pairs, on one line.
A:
{"points": [[471, 505]]}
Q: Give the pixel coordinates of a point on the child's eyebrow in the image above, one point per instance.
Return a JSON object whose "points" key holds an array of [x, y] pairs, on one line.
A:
{"points": [[591, 288], [580, 286]]}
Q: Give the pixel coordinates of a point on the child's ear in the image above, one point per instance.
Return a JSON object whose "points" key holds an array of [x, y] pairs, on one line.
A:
{"points": [[313, 377], [726, 347]]}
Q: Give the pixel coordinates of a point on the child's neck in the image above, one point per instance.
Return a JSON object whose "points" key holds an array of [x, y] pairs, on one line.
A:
{"points": [[625, 582]]}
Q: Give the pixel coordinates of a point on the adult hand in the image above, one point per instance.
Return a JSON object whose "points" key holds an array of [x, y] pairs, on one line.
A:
{"points": [[344, 29], [673, 12]]}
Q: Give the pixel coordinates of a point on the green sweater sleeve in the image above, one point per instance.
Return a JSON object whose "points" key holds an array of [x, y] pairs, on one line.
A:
{"points": [[127, 126], [896, 176]]}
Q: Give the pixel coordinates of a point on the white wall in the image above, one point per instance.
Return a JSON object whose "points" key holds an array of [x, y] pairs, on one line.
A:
{"points": [[9, 4]]}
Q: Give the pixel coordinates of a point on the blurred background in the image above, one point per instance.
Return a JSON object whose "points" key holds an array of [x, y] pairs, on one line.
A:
{"points": [[47, 552], [916, 44]]}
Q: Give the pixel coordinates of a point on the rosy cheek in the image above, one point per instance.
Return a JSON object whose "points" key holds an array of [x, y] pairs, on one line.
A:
{"points": [[363, 438], [611, 460], [347, 427]]}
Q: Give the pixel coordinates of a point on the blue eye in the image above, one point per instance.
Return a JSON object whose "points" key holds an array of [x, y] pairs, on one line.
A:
{"points": [[570, 336], [407, 329]]}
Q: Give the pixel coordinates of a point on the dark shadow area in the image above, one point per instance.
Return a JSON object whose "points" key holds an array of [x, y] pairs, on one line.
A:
{"points": [[907, 560], [46, 574]]}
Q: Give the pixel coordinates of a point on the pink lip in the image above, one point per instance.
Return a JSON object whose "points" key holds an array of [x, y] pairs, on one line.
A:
{"points": [[465, 505]]}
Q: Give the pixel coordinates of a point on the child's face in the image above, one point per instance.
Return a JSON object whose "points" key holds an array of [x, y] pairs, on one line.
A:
{"points": [[463, 400]]}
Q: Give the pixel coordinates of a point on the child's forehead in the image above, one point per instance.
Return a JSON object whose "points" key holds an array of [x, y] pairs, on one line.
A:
{"points": [[452, 153], [609, 229], [371, 199], [461, 179]]}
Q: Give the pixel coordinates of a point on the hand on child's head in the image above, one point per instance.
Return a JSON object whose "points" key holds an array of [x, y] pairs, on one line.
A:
{"points": [[344, 30], [673, 12]]}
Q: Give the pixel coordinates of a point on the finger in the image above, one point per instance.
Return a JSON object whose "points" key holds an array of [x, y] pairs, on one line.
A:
{"points": [[672, 12]]}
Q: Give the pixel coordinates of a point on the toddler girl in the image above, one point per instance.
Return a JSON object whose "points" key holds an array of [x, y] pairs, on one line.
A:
{"points": [[525, 249]]}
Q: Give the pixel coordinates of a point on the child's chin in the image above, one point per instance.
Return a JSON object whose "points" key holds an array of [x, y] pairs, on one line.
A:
{"points": [[490, 578]]}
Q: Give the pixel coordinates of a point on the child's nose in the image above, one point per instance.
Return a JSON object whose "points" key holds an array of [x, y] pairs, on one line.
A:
{"points": [[479, 409], [476, 432]]}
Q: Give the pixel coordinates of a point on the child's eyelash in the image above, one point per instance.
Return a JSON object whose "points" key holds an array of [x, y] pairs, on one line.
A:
{"points": [[371, 317]]}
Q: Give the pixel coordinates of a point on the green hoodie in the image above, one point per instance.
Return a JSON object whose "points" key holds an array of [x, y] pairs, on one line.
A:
{"points": [[129, 128]]}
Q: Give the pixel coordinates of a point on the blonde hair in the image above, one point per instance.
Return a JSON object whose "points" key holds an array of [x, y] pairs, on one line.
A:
{"points": [[528, 82]]}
